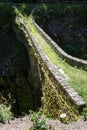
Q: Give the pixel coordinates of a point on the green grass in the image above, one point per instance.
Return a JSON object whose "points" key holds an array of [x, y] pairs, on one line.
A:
{"points": [[77, 77]]}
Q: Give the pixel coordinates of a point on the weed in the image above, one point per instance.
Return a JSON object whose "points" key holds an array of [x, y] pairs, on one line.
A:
{"points": [[84, 113], [39, 122], [5, 113], [64, 128]]}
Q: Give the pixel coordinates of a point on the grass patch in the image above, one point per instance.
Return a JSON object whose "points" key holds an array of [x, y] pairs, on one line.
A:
{"points": [[77, 77], [39, 122]]}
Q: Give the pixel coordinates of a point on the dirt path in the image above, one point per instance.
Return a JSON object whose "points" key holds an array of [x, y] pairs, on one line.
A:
{"points": [[24, 124], [17, 124], [79, 125]]}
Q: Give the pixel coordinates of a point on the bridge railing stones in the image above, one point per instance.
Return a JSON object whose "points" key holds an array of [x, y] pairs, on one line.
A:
{"points": [[56, 78], [79, 63]]}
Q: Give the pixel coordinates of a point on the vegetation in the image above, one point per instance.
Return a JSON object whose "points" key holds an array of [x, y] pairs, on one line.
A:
{"points": [[39, 122], [7, 13], [5, 113], [26, 9], [63, 128], [84, 113]]}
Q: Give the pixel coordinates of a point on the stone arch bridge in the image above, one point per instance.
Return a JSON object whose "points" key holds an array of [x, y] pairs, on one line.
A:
{"points": [[46, 78]]}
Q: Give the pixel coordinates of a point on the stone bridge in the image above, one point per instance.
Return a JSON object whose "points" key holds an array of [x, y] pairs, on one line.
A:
{"points": [[51, 89]]}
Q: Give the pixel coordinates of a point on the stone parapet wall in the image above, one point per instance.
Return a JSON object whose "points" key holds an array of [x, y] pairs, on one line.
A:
{"points": [[58, 95], [69, 59]]}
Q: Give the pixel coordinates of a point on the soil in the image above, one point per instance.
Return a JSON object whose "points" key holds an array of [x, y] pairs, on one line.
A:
{"points": [[24, 124]]}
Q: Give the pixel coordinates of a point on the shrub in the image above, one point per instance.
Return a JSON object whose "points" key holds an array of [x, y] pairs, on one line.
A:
{"points": [[5, 113], [39, 122], [84, 113]]}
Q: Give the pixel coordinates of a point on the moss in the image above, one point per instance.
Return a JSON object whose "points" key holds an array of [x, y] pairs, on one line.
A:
{"points": [[54, 101]]}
